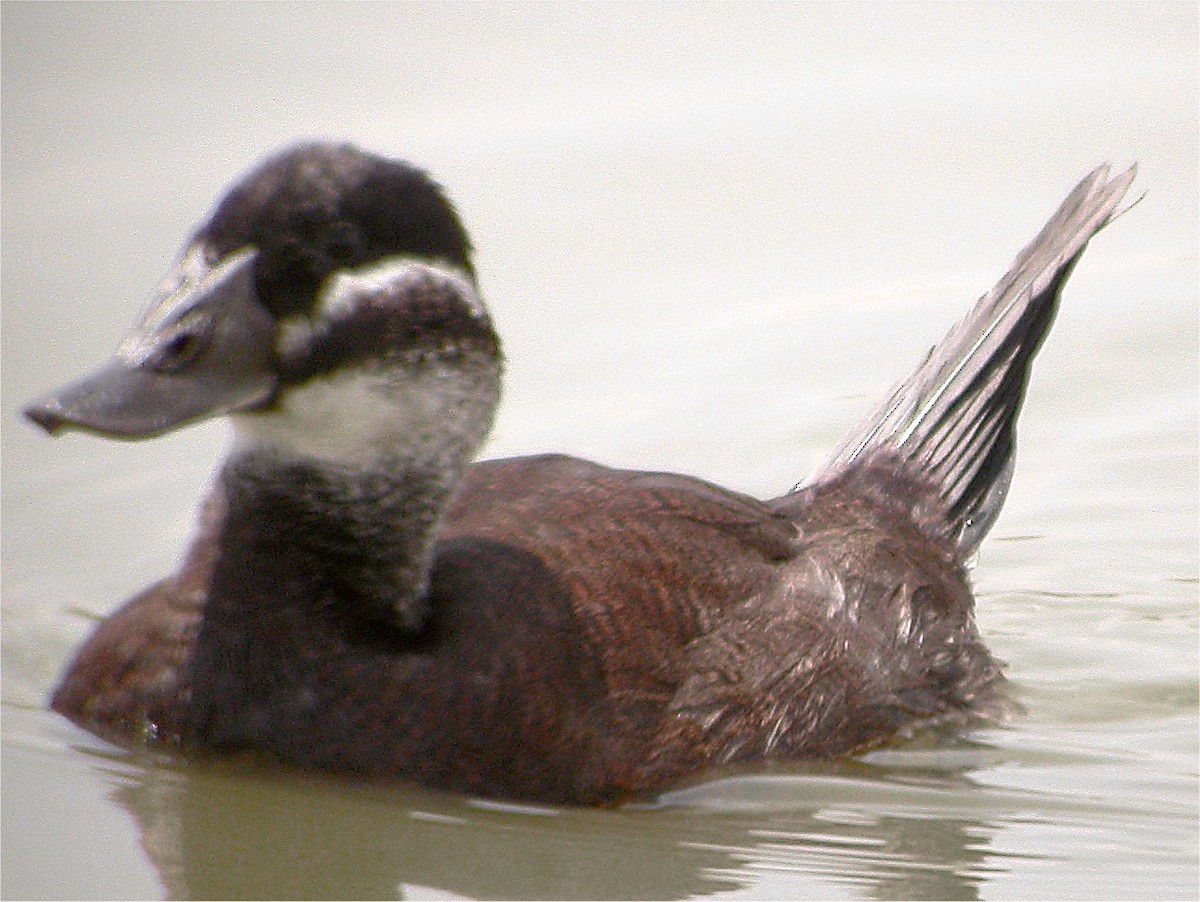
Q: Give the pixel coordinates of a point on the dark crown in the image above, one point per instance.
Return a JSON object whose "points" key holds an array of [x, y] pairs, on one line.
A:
{"points": [[316, 208]]}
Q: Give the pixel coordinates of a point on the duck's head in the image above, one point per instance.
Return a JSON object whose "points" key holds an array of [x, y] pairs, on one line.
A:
{"points": [[328, 302]]}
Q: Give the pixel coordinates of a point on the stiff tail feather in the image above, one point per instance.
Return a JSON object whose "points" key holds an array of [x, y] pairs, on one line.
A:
{"points": [[952, 420]]}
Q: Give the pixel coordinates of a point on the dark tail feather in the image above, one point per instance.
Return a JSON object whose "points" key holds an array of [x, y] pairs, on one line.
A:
{"points": [[953, 419]]}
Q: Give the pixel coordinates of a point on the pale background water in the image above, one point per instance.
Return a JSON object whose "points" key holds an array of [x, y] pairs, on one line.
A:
{"points": [[710, 236]]}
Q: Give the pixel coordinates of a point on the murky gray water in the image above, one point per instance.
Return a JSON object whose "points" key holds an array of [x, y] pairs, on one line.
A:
{"points": [[710, 237]]}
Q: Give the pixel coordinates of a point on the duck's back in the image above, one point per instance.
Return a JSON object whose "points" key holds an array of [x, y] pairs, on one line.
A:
{"points": [[585, 588], [666, 625]]}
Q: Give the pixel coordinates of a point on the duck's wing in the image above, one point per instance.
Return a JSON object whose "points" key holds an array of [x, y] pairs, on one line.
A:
{"points": [[952, 420]]}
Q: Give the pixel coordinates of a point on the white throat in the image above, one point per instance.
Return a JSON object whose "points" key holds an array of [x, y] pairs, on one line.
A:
{"points": [[433, 413]]}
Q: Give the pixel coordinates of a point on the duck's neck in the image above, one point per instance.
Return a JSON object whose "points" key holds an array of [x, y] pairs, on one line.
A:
{"points": [[313, 535], [318, 567]]}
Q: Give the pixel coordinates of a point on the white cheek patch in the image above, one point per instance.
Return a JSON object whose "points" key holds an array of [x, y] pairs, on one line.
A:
{"points": [[343, 291]]}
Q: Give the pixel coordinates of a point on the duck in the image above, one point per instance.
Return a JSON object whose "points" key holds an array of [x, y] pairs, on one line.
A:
{"points": [[365, 597]]}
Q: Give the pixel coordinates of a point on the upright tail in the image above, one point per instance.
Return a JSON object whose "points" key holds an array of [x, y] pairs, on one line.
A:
{"points": [[953, 419]]}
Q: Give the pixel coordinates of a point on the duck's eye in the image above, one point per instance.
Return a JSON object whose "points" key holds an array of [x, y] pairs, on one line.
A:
{"points": [[180, 348]]}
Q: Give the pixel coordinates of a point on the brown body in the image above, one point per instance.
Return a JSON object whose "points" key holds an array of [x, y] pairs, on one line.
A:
{"points": [[598, 633]]}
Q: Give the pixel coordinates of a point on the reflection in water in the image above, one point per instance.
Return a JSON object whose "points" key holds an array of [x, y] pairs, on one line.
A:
{"points": [[221, 830]]}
